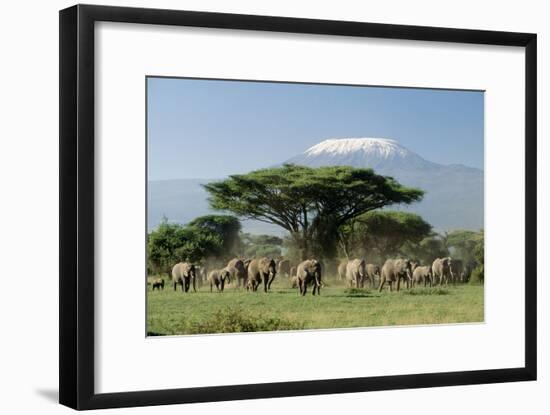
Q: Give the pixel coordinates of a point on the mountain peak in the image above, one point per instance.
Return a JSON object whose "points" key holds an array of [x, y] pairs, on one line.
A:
{"points": [[377, 153], [377, 147]]}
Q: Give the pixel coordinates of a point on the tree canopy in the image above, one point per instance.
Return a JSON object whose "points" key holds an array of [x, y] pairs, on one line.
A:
{"points": [[303, 200], [463, 243], [205, 236], [479, 257], [469, 246]]}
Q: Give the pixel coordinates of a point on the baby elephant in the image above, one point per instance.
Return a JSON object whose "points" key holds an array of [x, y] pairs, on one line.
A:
{"points": [[293, 271], [342, 269], [218, 277], [158, 284], [442, 271], [356, 273], [372, 273], [422, 275]]}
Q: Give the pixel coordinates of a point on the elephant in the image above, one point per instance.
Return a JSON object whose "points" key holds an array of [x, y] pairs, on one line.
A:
{"points": [[422, 274], [373, 273], [283, 267], [356, 273], [342, 269], [246, 263], [218, 277], [309, 271], [442, 270], [293, 271], [183, 273], [158, 284], [263, 269], [394, 270], [237, 270], [201, 274], [457, 269]]}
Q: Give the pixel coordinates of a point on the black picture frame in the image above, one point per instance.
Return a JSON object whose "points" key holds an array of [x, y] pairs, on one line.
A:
{"points": [[76, 279]]}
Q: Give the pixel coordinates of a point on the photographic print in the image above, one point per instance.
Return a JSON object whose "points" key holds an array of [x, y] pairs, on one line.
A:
{"points": [[292, 206]]}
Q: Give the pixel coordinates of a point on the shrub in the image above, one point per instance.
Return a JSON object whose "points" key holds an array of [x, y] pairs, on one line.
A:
{"points": [[478, 275], [427, 291], [236, 320], [357, 292]]}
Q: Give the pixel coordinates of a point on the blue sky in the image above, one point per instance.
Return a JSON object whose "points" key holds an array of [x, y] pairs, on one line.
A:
{"points": [[210, 129]]}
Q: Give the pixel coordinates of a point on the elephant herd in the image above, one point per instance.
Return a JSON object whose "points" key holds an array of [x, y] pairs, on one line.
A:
{"points": [[394, 271], [260, 272], [249, 273]]}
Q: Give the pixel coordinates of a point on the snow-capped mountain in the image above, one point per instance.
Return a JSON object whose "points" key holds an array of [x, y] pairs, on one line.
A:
{"points": [[361, 152], [453, 199]]}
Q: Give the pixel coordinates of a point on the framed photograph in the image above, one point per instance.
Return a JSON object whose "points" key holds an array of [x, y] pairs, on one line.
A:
{"points": [[258, 206]]}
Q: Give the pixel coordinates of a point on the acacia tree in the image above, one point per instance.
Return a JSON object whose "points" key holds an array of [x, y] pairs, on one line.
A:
{"points": [[303, 199]]}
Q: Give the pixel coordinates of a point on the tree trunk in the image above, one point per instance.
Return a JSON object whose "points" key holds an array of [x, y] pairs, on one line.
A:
{"points": [[343, 245], [305, 248], [305, 244]]}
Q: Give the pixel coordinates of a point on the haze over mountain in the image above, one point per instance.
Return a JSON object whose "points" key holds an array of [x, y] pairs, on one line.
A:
{"points": [[453, 199]]}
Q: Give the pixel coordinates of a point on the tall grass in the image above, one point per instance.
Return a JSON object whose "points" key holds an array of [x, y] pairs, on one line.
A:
{"points": [[237, 320]]}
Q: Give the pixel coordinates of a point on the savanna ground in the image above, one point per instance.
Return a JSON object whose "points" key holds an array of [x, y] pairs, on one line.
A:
{"points": [[236, 310]]}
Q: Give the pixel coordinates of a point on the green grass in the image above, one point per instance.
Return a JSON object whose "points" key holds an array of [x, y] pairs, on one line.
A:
{"points": [[172, 313]]}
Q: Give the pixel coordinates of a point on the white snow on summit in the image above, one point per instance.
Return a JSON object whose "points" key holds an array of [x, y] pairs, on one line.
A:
{"points": [[378, 153], [381, 147]]}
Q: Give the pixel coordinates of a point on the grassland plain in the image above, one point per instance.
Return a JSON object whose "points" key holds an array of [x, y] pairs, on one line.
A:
{"points": [[172, 312]]}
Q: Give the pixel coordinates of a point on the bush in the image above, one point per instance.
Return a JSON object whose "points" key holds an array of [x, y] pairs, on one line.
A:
{"points": [[426, 291], [236, 320], [357, 292], [478, 275]]}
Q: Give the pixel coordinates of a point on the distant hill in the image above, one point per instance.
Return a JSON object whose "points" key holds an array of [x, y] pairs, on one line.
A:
{"points": [[453, 200]]}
